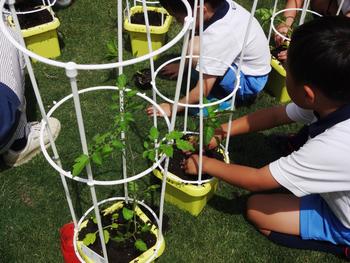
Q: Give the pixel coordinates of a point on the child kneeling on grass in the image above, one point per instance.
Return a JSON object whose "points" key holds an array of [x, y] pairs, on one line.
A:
{"points": [[225, 26], [318, 174]]}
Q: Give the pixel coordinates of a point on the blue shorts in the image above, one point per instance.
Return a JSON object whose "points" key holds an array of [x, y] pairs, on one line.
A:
{"points": [[250, 85], [318, 222]]}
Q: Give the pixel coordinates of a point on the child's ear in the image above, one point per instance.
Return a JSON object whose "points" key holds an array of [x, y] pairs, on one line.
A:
{"points": [[309, 94]]}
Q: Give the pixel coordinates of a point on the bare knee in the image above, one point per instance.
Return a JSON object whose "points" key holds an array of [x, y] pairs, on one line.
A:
{"points": [[254, 213], [253, 204]]}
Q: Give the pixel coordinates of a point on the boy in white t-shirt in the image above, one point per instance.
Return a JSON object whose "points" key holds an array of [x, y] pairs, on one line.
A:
{"points": [[318, 173], [225, 25]]}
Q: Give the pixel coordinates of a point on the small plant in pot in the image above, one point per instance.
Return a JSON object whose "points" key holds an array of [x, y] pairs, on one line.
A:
{"points": [[276, 81], [134, 24], [128, 232], [186, 193], [39, 28]]}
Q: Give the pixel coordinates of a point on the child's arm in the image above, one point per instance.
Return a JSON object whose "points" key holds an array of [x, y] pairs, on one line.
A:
{"points": [[260, 120], [245, 177], [193, 96]]}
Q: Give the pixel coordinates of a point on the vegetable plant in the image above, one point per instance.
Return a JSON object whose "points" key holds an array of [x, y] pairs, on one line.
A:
{"points": [[125, 224]]}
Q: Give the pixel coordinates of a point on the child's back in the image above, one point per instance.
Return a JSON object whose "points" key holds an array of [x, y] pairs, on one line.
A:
{"points": [[223, 39]]}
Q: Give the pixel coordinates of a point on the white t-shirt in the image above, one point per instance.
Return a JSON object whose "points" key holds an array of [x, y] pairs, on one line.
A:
{"points": [[224, 38], [321, 165], [345, 7]]}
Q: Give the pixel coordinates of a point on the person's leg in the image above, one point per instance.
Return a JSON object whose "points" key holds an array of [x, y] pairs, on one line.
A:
{"points": [[277, 216], [324, 7], [274, 212]]}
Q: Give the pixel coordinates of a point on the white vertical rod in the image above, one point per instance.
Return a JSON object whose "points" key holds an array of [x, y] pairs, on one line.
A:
{"points": [[179, 80], [238, 73], [270, 29], [303, 13], [121, 92], [127, 10], [150, 49], [340, 7], [201, 123], [72, 73], [42, 110], [172, 123], [189, 67], [151, 62]]}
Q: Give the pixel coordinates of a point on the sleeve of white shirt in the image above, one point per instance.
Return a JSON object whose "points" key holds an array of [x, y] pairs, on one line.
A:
{"points": [[297, 114], [320, 166]]}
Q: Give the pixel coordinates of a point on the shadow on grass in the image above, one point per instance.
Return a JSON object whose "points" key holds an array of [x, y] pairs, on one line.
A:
{"points": [[234, 206]]}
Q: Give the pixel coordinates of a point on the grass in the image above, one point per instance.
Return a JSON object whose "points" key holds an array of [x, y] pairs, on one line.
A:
{"points": [[32, 201]]}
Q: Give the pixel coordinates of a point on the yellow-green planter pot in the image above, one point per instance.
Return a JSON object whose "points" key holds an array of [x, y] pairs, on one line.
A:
{"points": [[276, 83], [43, 40], [138, 33], [189, 197], [143, 258]]}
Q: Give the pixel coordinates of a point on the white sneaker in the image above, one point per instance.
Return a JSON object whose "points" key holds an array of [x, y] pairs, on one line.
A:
{"points": [[32, 148]]}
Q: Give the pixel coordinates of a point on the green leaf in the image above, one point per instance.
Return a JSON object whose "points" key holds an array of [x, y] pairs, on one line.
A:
{"points": [[133, 187], [80, 164], [97, 158], [152, 155], [131, 93], [127, 213], [174, 135], [115, 106], [209, 133], [114, 225], [94, 220], [145, 154], [167, 150], [145, 145], [145, 228], [107, 149], [106, 236], [184, 145], [121, 81], [154, 133], [90, 238], [153, 187], [118, 239], [117, 144], [115, 216], [140, 245]]}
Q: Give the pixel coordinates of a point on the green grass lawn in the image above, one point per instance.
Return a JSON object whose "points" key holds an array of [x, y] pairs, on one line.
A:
{"points": [[32, 201]]}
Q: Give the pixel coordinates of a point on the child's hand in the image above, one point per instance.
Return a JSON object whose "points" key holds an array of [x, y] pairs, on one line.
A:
{"points": [[191, 164], [171, 70], [216, 140], [282, 56], [165, 106], [283, 29]]}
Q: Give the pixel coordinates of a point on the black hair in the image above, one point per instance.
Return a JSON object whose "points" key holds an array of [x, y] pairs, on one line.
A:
{"points": [[177, 7], [319, 56]]}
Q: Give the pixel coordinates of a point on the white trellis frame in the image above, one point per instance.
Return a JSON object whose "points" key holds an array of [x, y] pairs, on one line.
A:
{"points": [[72, 70]]}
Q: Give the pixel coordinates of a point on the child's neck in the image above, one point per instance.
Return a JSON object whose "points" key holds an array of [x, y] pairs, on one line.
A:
{"points": [[327, 108]]}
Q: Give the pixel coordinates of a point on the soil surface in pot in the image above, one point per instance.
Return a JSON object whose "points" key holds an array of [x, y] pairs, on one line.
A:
{"points": [[117, 251], [154, 18], [179, 157], [32, 19], [143, 79]]}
